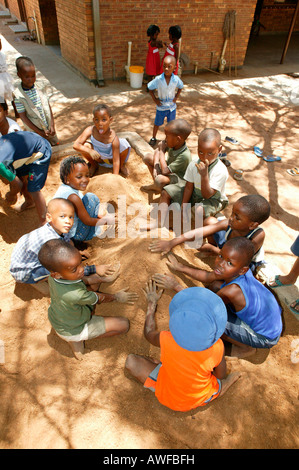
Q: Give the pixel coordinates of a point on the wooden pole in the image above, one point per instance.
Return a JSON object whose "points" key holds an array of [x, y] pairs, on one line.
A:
{"points": [[290, 33]]}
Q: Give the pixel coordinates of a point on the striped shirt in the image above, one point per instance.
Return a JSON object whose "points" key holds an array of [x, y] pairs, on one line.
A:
{"points": [[34, 97]]}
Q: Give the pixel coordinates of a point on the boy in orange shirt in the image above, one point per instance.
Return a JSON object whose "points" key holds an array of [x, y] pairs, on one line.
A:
{"points": [[192, 370]]}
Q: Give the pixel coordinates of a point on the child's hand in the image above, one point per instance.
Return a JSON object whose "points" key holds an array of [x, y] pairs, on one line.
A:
{"points": [[159, 246], [108, 218], [158, 102], [125, 297], [165, 281], [94, 154], [151, 292], [173, 263], [202, 167], [108, 272]]}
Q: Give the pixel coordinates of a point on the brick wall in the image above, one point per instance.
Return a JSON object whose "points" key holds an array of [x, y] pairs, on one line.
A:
{"points": [[201, 22], [277, 17], [127, 20]]}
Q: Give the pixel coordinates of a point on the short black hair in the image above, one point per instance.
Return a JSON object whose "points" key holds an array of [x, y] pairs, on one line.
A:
{"points": [[3, 104], [242, 245], [152, 29], [175, 31], [257, 207], [67, 166], [210, 135], [59, 200], [179, 127], [55, 252], [101, 107], [23, 61]]}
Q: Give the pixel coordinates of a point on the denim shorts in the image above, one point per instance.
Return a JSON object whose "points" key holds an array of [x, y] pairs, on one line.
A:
{"points": [[161, 115], [238, 330]]}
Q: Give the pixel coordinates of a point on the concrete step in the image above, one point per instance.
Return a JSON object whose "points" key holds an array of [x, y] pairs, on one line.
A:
{"points": [[19, 28], [5, 14]]}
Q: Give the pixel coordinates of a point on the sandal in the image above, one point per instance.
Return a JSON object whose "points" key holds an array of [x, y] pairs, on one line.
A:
{"points": [[293, 307], [293, 171], [271, 158], [278, 283], [153, 141], [257, 151], [232, 140]]}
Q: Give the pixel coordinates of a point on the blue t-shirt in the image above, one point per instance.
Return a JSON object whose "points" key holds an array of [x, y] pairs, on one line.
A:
{"points": [[166, 93], [19, 147], [262, 311]]}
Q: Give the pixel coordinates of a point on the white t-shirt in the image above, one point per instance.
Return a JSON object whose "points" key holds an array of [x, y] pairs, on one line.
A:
{"points": [[218, 176], [13, 126]]}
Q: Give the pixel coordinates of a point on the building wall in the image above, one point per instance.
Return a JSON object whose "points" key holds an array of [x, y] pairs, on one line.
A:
{"points": [[127, 20], [277, 17]]}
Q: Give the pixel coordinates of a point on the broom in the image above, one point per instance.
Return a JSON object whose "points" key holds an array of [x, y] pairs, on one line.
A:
{"points": [[229, 29]]}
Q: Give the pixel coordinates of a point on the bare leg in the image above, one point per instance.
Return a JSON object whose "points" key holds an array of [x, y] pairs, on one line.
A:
{"points": [[228, 381], [40, 205], [122, 167], [140, 367], [290, 278], [239, 350], [155, 130]]}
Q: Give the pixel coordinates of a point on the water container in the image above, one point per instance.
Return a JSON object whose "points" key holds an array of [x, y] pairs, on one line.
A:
{"points": [[136, 76]]}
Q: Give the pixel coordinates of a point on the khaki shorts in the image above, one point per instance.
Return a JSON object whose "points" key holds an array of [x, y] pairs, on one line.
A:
{"points": [[92, 329]]}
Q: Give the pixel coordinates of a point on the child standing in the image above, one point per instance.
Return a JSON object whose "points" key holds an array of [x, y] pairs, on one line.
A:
{"points": [[152, 67], [7, 125], [175, 33], [72, 308], [74, 174], [166, 85], [32, 104], [100, 144], [24, 162], [254, 315], [192, 371]]}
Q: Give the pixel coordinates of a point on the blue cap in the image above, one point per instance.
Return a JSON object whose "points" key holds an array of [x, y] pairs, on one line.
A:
{"points": [[198, 318]]}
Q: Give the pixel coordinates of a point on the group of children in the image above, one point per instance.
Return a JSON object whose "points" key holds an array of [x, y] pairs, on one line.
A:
{"points": [[234, 307]]}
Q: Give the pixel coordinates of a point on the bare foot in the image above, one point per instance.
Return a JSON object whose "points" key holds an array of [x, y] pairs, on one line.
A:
{"points": [[124, 171], [150, 187], [25, 206], [241, 352], [229, 381]]}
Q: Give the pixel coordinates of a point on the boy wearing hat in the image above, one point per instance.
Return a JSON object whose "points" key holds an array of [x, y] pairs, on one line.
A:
{"points": [[192, 370]]}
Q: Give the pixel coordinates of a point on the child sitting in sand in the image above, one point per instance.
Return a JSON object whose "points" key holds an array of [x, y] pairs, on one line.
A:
{"points": [[32, 104], [248, 213], [169, 169], [100, 145], [72, 308], [192, 371], [7, 125], [254, 315], [74, 174], [25, 266]]}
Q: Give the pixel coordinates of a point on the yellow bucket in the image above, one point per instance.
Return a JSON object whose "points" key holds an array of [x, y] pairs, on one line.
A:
{"points": [[136, 76], [136, 69]]}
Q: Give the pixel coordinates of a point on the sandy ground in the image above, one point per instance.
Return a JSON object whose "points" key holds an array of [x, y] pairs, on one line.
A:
{"points": [[50, 400]]}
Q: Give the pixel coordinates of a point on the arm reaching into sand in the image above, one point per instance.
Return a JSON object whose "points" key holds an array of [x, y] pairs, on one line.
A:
{"points": [[164, 246], [152, 296], [198, 274]]}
